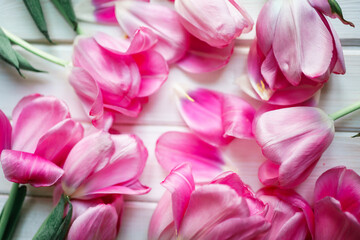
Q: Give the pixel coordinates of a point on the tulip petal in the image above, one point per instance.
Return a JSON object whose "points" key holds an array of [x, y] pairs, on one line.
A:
{"points": [[339, 67], [5, 129], [98, 222], [56, 144], [333, 223], [164, 22], [88, 156], [154, 72], [174, 148], [201, 57], [143, 40], [180, 183], [22, 167], [269, 173], [33, 118]]}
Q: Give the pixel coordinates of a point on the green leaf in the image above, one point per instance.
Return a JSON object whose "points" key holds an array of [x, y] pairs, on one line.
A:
{"points": [[24, 64], [66, 9], [65, 225], [15, 213], [52, 223], [335, 8], [7, 53], [36, 12], [356, 136]]}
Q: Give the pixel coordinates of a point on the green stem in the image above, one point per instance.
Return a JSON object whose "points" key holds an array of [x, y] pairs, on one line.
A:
{"points": [[8, 208], [15, 39], [345, 111]]}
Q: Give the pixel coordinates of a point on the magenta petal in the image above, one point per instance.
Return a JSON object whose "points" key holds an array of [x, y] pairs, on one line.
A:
{"points": [[154, 72], [88, 156], [143, 40], [180, 183], [202, 57], [33, 119], [56, 144], [269, 173], [174, 148], [22, 167], [332, 223], [5, 129]]}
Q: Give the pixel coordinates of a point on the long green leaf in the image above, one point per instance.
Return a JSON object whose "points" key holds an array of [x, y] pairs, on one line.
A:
{"points": [[36, 12], [15, 213], [66, 9], [25, 65], [65, 225], [6, 51]]}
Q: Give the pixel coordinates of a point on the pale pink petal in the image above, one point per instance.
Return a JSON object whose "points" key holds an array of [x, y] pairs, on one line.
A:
{"points": [[21, 104], [164, 22], [210, 205], [99, 222], [202, 57], [180, 183], [162, 225], [269, 173], [332, 223], [33, 119], [340, 67], [5, 129], [201, 109], [143, 40], [273, 76], [215, 22], [56, 144], [174, 148], [89, 155], [22, 167], [154, 71]]}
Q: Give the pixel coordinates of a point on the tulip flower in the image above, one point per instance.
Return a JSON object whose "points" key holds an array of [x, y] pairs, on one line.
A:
{"points": [[337, 205], [222, 209], [290, 215], [292, 74], [96, 219], [293, 140], [216, 22], [115, 76], [215, 117]]}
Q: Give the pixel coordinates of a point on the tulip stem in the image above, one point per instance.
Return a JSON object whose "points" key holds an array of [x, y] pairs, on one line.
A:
{"points": [[28, 47], [6, 214], [345, 111]]}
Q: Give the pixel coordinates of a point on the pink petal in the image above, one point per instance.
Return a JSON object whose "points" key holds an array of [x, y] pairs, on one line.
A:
{"points": [[131, 110], [143, 40], [21, 104], [180, 183], [202, 57], [269, 173], [154, 72], [5, 129], [215, 22], [333, 223], [124, 167], [33, 119], [56, 144], [340, 67], [174, 148], [209, 206], [22, 167], [164, 22], [98, 222], [89, 155]]}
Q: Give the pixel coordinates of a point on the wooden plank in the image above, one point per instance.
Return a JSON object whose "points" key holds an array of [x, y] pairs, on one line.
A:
{"points": [[134, 225], [14, 17], [340, 91], [244, 156]]}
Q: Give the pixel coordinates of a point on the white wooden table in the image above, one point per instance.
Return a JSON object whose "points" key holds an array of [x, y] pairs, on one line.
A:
{"points": [[159, 115]]}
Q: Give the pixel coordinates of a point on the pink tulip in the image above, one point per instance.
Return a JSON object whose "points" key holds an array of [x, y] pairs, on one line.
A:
{"points": [[96, 219], [223, 209], [337, 205], [290, 215], [216, 22], [292, 74], [40, 140], [293, 140], [215, 117], [102, 164], [115, 76]]}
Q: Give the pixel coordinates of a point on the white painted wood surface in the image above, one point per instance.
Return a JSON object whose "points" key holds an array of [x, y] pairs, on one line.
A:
{"points": [[160, 114]]}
